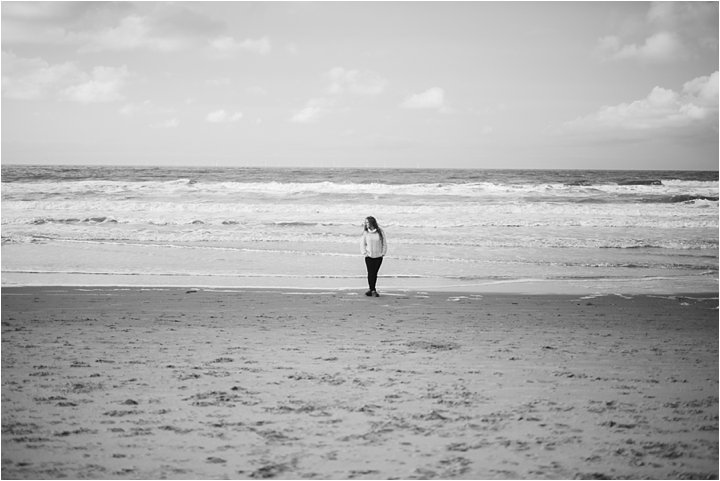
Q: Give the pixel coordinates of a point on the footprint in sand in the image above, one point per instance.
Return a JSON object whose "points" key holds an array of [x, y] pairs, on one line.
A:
{"points": [[269, 471]]}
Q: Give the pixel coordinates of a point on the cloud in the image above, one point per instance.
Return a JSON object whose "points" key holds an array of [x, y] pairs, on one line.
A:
{"points": [[314, 109], [55, 23], [228, 45], [670, 31], [355, 82], [433, 98], [699, 18], [43, 11], [660, 47], [220, 116], [341, 82], [694, 106], [108, 26], [35, 78], [132, 32], [102, 85]]}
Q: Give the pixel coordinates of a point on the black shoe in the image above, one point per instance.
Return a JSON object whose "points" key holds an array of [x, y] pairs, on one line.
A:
{"points": [[369, 293], [375, 294]]}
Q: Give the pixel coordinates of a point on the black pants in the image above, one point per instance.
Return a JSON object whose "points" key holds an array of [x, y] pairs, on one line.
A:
{"points": [[373, 266]]}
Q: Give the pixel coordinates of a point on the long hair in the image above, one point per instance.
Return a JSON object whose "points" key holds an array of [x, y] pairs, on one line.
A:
{"points": [[372, 223]]}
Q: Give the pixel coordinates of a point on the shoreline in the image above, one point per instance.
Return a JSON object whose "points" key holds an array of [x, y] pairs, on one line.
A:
{"points": [[606, 286], [396, 292]]}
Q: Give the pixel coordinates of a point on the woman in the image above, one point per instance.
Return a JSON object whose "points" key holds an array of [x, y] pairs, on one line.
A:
{"points": [[374, 246]]}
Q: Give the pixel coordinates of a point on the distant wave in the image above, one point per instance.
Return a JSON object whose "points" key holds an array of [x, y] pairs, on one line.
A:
{"points": [[223, 192], [87, 220], [35, 173], [672, 214], [640, 182], [583, 182], [297, 223], [649, 199], [691, 198], [267, 245]]}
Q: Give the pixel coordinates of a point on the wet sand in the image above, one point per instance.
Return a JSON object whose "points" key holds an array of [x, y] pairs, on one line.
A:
{"points": [[241, 383]]}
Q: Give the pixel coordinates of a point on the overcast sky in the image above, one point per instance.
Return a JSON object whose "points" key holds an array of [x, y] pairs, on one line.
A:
{"points": [[366, 84]]}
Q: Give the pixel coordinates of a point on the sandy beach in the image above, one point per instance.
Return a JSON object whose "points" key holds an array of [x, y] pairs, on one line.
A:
{"points": [[182, 383]]}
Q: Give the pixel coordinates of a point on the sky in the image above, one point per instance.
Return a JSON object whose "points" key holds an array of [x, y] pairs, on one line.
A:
{"points": [[541, 85]]}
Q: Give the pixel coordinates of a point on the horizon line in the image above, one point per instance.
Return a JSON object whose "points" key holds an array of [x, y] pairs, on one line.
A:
{"points": [[306, 167]]}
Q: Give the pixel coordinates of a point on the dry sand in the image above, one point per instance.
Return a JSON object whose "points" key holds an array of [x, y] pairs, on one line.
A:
{"points": [[165, 383]]}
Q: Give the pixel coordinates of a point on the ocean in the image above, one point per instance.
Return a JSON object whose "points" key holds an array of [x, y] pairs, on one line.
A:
{"points": [[466, 230]]}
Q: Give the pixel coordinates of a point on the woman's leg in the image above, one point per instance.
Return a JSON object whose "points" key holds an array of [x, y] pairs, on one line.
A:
{"points": [[378, 263], [370, 276], [373, 266]]}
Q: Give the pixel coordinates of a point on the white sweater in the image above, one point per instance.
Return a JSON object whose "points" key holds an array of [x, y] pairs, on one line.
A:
{"points": [[373, 245]]}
